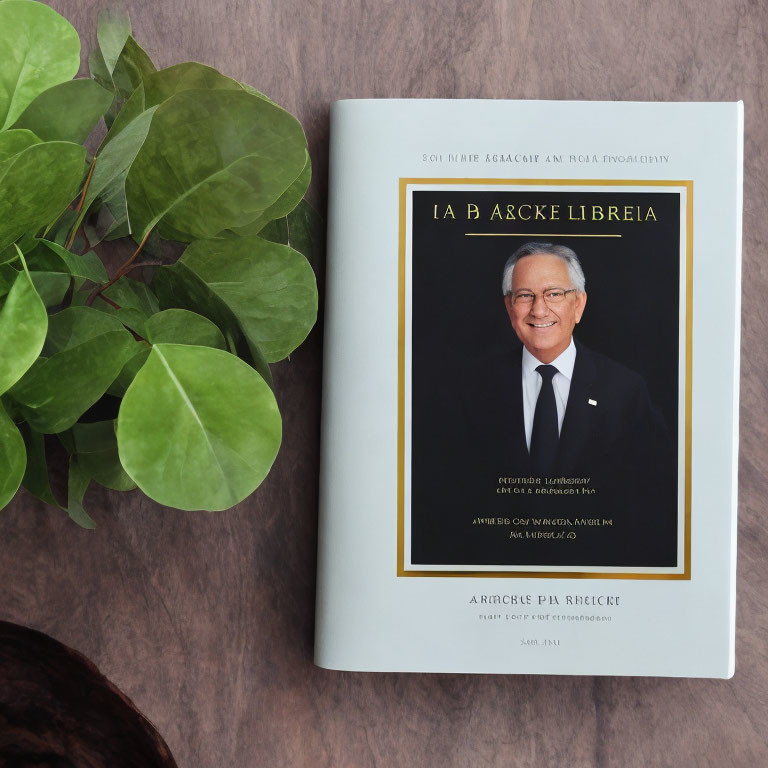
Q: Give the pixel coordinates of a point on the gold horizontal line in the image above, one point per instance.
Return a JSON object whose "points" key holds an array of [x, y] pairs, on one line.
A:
{"points": [[529, 234]]}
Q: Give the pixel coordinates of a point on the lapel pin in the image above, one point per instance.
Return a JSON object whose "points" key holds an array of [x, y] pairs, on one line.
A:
{"points": [[592, 402]]}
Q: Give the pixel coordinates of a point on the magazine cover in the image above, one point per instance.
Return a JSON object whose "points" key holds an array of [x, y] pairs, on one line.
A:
{"points": [[500, 277]]}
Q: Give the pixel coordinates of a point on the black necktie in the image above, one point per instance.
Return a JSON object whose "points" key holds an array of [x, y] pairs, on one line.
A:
{"points": [[544, 435]]}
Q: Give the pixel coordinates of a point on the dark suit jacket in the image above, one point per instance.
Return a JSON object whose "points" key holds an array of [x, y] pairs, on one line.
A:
{"points": [[620, 447]]}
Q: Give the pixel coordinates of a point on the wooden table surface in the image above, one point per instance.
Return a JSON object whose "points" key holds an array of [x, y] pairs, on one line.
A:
{"points": [[206, 620]]}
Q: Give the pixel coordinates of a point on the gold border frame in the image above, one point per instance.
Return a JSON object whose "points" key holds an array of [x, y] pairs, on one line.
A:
{"points": [[403, 187]]}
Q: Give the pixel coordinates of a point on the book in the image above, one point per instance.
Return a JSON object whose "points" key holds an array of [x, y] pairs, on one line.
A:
{"points": [[530, 388]]}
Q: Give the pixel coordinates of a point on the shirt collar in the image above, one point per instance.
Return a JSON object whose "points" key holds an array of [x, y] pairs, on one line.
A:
{"points": [[564, 362]]}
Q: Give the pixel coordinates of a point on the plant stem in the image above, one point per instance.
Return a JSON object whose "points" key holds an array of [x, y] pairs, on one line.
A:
{"points": [[79, 208], [109, 301], [99, 289], [124, 268]]}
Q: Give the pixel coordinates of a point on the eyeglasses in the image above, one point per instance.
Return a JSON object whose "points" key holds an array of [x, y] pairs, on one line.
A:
{"points": [[551, 296]]}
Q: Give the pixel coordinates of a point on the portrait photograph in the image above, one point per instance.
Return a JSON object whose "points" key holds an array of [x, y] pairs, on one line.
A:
{"points": [[543, 377]]}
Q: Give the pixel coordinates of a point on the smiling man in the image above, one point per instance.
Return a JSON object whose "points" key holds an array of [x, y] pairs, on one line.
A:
{"points": [[580, 410], [544, 294]]}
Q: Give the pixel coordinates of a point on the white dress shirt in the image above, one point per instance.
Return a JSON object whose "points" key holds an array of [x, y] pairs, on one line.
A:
{"points": [[561, 383]]}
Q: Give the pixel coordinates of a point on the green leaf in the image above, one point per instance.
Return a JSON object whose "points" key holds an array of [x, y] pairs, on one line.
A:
{"points": [[37, 184], [275, 231], [52, 287], [23, 324], [306, 233], [133, 294], [78, 485], [283, 206], [136, 301], [7, 279], [13, 142], [114, 28], [55, 392], [128, 294], [112, 164], [179, 326], [212, 160], [36, 479], [58, 232], [52, 257], [67, 111], [188, 76], [132, 68], [198, 428], [128, 372], [98, 226], [270, 288], [302, 229], [134, 319], [97, 68], [118, 210], [13, 458], [75, 325], [38, 49], [95, 446], [178, 287], [252, 90], [156, 87]]}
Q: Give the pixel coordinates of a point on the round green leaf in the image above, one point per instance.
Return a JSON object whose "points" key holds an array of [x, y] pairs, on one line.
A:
{"points": [[155, 87], [128, 373], [13, 142], [23, 324], [37, 184], [269, 287], [75, 325], [55, 392], [38, 49], [212, 160], [67, 111], [51, 286], [286, 203], [95, 446], [13, 458], [178, 287], [52, 257], [188, 76], [179, 326], [198, 428]]}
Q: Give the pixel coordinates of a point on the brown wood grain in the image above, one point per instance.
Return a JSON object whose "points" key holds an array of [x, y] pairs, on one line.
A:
{"points": [[206, 620]]}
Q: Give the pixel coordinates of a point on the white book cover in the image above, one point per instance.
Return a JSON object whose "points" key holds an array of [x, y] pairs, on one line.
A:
{"points": [[530, 396]]}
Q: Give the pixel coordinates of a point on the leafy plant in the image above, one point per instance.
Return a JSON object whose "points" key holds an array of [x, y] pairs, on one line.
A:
{"points": [[164, 384]]}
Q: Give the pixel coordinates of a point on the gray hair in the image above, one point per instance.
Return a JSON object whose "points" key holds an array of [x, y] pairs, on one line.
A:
{"points": [[575, 272]]}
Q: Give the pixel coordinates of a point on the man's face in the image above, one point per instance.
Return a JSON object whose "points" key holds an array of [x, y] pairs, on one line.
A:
{"points": [[545, 329]]}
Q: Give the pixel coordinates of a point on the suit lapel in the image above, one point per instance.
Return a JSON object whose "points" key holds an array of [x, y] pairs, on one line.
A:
{"points": [[576, 431]]}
